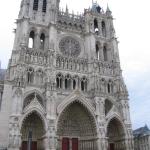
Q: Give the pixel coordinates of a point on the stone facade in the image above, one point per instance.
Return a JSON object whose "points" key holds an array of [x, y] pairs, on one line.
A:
{"points": [[64, 82], [142, 138]]}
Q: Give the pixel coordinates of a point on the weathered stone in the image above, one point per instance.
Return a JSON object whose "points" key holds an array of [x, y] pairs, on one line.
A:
{"points": [[64, 83]]}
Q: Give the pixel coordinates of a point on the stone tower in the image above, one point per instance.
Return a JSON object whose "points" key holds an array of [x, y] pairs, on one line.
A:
{"points": [[63, 88]]}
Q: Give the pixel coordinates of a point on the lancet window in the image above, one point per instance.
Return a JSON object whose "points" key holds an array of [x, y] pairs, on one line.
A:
{"points": [[103, 28], [30, 75], [42, 41], [35, 5], [110, 87], [31, 39], [84, 84], [97, 51], [44, 6], [39, 77], [96, 26], [59, 81], [105, 53], [68, 82]]}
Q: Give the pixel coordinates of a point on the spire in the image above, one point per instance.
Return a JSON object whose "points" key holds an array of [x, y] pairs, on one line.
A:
{"points": [[108, 11], [67, 11], [96, 7]]}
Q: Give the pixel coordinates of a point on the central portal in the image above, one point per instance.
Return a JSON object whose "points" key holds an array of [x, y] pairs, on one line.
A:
{"points": [[76, 129]]}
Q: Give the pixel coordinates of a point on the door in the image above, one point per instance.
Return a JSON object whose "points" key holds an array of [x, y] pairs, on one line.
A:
{"points": [[25, 145], [75, 144], [65, 144], [111, 146]]}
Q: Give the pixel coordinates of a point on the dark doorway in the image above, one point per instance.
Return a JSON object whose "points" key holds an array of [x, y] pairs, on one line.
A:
{"points": [[111, 146], [65, 144], [74, 144], [70, 144], [25, 145]]}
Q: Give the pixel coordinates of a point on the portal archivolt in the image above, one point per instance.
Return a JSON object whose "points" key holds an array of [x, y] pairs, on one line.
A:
{"points": [[76, 128], [34, 125], [116, 135]]}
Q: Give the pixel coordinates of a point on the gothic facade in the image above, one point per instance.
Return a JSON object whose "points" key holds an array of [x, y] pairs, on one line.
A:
{"points": [[64, 84]]}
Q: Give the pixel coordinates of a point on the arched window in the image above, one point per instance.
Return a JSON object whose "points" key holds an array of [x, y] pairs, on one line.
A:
{"points": [[108, 106], [39, 77], [97, 51], [31, 39], [59, 80], [103, 29], [30, 75], [105, 53], [110, 87], [33, 96], [35, 5], [84, 84], [44, 5], [42, 41], [96, 26], [74, 84], [67, 82]]}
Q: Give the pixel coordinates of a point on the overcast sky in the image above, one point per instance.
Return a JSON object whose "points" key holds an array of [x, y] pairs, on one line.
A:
{"points": [[132, 24]]}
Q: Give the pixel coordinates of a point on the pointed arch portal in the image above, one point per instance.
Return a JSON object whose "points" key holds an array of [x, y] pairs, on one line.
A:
{"points": [[116, 135], [33, 127], [76, 128]]}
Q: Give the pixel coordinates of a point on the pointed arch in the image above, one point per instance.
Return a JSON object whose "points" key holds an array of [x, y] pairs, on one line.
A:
{"points": [[68, 82], [29, 96], [116, 117], [39, 113], [116, 133], [96, 27], [97, 47], [59, 81], [30, 75], [42, 41], [34, 91], [76, 118], [103, 24], [84, 84], [31, 39], [68, 101], [105, 53]]}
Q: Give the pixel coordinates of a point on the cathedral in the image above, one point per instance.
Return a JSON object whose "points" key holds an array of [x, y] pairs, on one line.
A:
{"points": [[63, 88]]}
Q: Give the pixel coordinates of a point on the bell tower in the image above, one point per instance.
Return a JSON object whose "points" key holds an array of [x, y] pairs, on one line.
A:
{"points": [[33, 13], [64, 84]]}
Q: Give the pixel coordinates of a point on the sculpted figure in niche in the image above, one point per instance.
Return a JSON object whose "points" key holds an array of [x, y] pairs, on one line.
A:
{"points": [[16, 108]]}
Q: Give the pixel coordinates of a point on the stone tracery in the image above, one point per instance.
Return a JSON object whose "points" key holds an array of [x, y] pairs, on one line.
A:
{"points": [[70, 47]]}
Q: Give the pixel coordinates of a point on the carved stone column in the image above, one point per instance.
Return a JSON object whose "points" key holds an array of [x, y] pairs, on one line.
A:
{"points": [[100, 119], [52, 135], [14, 137]]}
